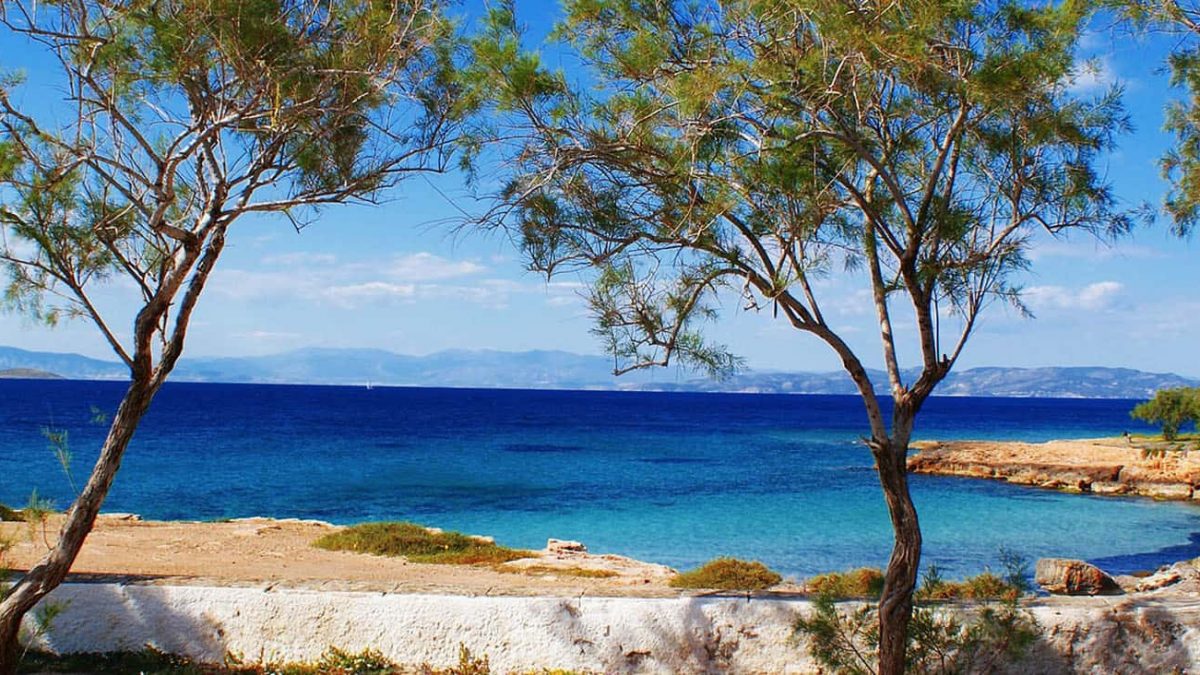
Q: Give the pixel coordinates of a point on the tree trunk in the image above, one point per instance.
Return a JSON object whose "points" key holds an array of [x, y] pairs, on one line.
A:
{"points": [[10, 647], [50, 571], [900, 580]]}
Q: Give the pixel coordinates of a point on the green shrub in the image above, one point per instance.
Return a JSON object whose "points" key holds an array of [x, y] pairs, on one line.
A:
{"points": [[418, 544], [941, 639], [728, 574], [865, 582], [1171, 409]]}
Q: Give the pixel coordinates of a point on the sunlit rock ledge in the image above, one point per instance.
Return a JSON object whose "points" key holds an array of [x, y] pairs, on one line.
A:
{"points": [[1100, 466]]}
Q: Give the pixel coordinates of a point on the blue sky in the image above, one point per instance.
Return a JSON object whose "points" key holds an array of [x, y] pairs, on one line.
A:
{"points": [[397, 277]]}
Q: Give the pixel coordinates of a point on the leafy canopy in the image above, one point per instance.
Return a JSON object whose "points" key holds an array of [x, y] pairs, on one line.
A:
{"points": [[1173, 409], [182, 115], [757, 147]]}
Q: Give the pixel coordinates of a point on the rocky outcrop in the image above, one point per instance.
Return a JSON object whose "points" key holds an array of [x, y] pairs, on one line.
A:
{"points": [[564, 547], [1073, 577], [1103, 466]]}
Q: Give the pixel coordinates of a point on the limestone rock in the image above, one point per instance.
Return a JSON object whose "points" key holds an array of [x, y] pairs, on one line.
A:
{"points": [[565, 547], [1073, 577]]}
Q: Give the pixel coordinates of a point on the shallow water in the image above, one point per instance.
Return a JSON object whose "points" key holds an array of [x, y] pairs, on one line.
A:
{"points": [[666, 477]]}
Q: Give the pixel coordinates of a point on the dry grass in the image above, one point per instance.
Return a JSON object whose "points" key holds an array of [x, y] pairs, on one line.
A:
{"points": [[865, 582], [581, 572], [728, 574], [985, 586], [418, 544]]}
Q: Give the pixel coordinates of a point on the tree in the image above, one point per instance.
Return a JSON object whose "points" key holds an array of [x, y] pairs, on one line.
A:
{"points": [[754, 147], [1171, 408], [1181, 164], [179, 118]]}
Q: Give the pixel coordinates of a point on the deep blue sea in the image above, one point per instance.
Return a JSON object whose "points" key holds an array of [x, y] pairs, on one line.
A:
{"points": [[666, 477]]}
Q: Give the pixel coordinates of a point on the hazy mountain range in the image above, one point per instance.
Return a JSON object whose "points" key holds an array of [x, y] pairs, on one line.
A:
{"points": [[565, 370]]}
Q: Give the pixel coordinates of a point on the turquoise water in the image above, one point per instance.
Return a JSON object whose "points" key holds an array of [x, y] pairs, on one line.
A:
{"points": [[666, 477]]}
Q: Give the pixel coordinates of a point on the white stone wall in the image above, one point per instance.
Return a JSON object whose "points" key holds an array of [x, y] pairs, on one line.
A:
{"points": [[604, 635], [610, 635]]}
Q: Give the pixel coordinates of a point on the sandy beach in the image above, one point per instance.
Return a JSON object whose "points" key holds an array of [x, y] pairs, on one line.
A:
{"points": [[265, 552]]}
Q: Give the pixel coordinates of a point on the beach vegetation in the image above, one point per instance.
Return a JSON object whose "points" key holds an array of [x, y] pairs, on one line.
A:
{"points": [[177, 121], [730, 154], [865, 582], [992, 631], [1172, 409], [728, 574], [334, 661], [1180, 164], [419, 544], [548, 570]]}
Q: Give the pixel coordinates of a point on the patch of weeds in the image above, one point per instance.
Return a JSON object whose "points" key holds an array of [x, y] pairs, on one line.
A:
{"points": [[580, 572], [418, 544], [941, 639], [333, 662], [864, 582], [467, 665], [728, 574], [149, 661], [985, 586]]}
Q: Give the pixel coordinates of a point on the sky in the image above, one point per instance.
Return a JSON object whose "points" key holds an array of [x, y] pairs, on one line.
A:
{"points": [[400, 277]]}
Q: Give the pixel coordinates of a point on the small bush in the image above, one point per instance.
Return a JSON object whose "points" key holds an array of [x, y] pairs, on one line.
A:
{"points": [[728, 574], [418, 544], [985, 586], [865, 582], [941, 639]]}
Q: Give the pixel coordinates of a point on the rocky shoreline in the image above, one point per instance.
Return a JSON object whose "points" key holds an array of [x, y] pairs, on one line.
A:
{"points": [[1099, 466]]}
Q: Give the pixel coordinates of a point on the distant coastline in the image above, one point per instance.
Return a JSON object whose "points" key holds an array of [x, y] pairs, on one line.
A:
{"points": [[558, 370], [28, 374]]}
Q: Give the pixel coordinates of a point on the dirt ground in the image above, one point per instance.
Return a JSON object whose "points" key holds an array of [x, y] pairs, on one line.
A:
{"points": [[265, 552]]}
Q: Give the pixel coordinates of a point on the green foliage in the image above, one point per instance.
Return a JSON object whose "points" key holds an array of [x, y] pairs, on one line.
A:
{"points": [[728, 574], [1173, 409], [1180, 164], [310, 104], [865, 582], [943, 639], [735, 145], [418, 544]]}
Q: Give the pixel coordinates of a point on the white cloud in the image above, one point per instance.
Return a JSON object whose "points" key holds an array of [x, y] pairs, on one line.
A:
{"points": [[353, 294], [1093, 297], [429, 267]]}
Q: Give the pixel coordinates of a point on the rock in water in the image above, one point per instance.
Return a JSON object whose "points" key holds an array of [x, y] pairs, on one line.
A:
{"points": [[1073, 577]]}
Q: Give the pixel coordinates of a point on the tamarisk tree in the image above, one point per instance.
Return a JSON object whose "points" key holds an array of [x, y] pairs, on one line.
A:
{"points": [[1181, 163], [179, 117], [752, 148]]}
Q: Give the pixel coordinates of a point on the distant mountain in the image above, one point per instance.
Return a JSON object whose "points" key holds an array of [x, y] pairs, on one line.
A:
{"points": [[27, 374], [72, 366], [565, 370]]}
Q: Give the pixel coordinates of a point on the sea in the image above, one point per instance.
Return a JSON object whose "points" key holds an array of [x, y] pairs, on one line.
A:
{"points": [[673, 478]]}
